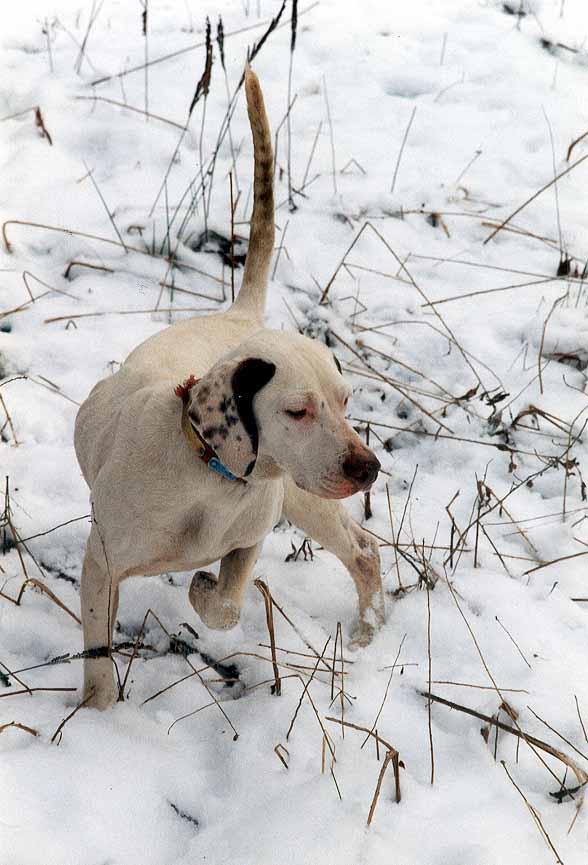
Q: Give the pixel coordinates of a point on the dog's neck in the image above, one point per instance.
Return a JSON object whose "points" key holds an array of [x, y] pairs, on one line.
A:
{"points": [[265, 469], [203, 450]]}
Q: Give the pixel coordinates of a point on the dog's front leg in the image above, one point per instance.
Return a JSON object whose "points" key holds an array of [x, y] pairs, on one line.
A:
{"points": [[327, 522], [99, 604], [218, 602]]}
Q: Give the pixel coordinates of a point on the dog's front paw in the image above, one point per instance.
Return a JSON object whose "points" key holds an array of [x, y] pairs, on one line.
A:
{"points": [[369, 624], [362, 636], [215, 612]]}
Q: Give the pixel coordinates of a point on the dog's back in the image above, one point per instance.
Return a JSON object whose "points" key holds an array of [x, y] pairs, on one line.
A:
{"points": [[191, 346]]}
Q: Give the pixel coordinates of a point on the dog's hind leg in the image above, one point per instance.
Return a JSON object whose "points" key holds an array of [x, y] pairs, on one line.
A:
{"points": [[327, 522], [218, 602], [99, 604]]}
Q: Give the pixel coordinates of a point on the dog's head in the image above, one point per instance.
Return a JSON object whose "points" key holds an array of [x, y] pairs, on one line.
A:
{"points": [[278, 404]]}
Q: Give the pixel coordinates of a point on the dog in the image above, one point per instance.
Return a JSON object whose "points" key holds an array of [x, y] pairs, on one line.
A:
{"points": [[208, 434]]}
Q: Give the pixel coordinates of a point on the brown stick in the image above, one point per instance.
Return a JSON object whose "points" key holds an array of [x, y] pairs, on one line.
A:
{"points": [[430, 721], [390, 755], [535, 815], [520, 734], [16, 724], [32, 581], [32, 691], [378, 738], [67, 718], [535, 195], [95, 98], [268, 601], [306, 685]]}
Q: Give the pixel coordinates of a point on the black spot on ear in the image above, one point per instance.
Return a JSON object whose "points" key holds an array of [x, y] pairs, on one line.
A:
{"points": [[337, 364], [248, 379]]}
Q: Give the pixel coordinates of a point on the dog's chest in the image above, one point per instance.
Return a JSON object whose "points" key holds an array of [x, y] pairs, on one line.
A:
{"points": [[212, 528]]}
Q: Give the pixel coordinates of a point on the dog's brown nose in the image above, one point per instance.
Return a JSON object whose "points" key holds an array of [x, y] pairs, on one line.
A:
{"points": [[360, 469]]}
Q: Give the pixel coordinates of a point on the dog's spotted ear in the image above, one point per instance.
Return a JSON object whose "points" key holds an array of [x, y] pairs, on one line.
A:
{"points": [[221, 408]]}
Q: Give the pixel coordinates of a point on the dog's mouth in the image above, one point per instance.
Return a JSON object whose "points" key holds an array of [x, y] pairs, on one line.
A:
{"points": [[339, 489]]}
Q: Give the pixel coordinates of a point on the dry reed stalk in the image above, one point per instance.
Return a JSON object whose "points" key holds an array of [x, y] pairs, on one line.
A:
{"points": [[394, 539], [478, 687], [391, 756], [90, 174], [514, 731], [331, 137], [401, 151], [535, 815], [557, 733], [580, 719], [373, 730], [32, 581], [513, 641], [389, 748], [306, 684], [278, 752], [94, 13], [573, 144], [282, 236], [16, 725], [311, 155], [554, 562], [39, 123], [205, 83], [233, 206], [75, 263], [58, 731], [543, 332], [534, 196], [125, 106], [35, 690], [14, 674], [293, 32], [150, 311], [9, 420], [430, 723], [220, 41], [478, 293], [548, 277], [268, 601]]}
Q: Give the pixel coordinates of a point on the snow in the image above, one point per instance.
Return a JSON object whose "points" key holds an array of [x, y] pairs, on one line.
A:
{"points": [[130, 785]]}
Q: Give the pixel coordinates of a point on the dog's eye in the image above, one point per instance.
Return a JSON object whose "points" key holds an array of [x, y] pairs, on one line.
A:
{"points": [[346, 401], [297, 415]]}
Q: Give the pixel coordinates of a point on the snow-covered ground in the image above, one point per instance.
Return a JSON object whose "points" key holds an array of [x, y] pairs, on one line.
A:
{"points": [[498, 374]]}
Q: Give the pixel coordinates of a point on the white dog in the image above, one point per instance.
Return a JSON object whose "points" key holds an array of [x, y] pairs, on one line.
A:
{"points": [[182, 476]]}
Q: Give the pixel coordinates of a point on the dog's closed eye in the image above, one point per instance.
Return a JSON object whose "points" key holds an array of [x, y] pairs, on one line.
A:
{"points": [[297, 414]]}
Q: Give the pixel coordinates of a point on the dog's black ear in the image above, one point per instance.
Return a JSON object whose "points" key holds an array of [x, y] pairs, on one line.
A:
{"points": [[248, 379], [221, 409]]}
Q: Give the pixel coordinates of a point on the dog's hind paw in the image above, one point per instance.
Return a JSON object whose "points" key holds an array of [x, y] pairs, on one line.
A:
{"points": [[215, 612]]}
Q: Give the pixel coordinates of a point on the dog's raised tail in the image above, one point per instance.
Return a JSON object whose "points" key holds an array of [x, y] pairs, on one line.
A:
{"points": [[251, 297]]}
